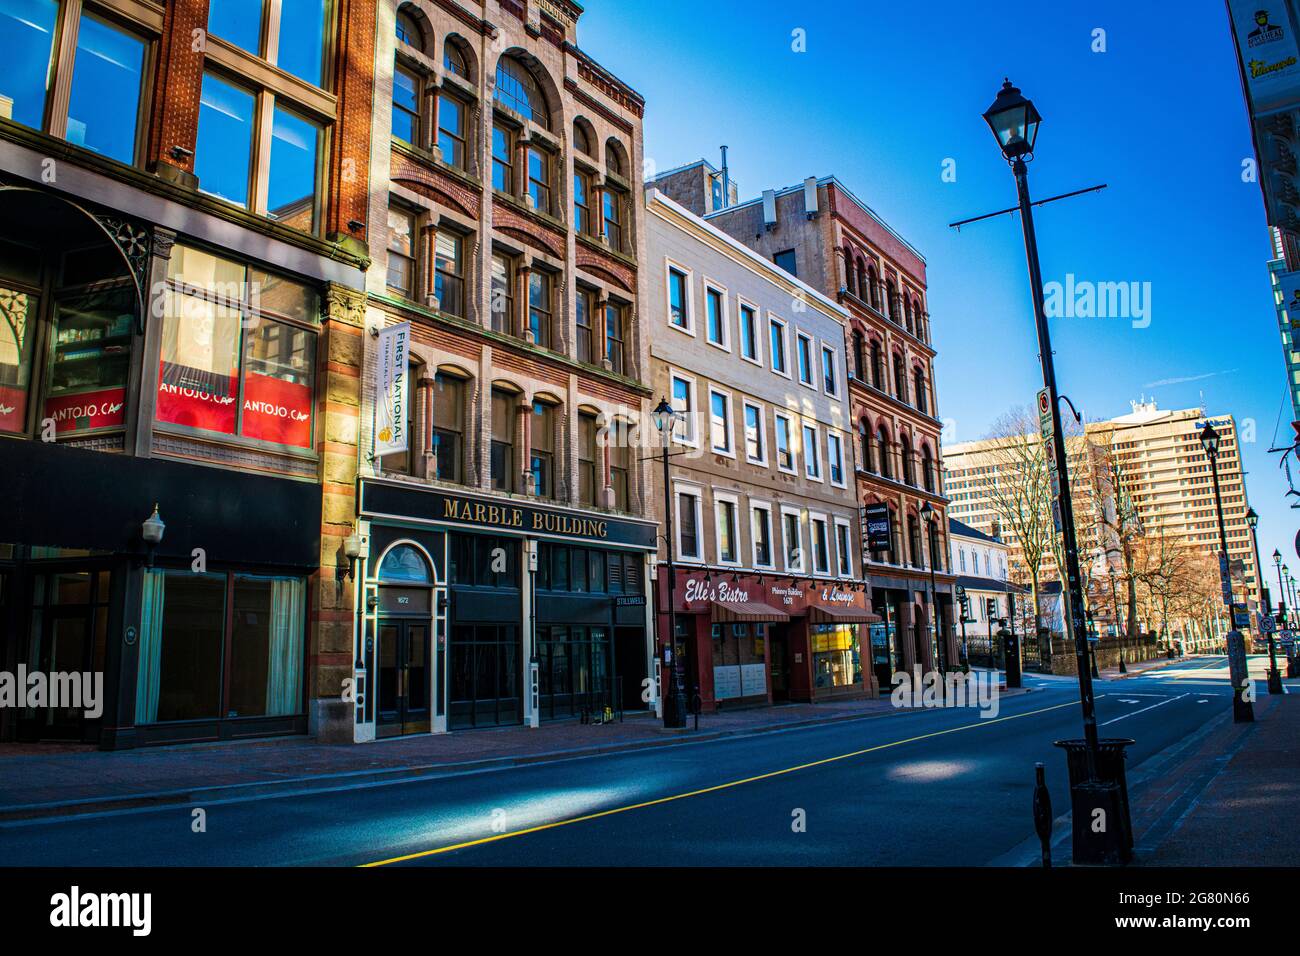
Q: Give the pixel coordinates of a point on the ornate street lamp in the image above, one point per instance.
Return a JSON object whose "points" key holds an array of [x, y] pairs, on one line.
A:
{"points": [[1274, 675], [1114, 600], [666, 418], [1243, 711], [151, 530]]}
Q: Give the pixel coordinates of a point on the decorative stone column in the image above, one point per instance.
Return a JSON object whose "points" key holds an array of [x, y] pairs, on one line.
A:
{"points": [[331, 650], [606, 481], [599, 331], [427, 443], [429, 241], [524, 431], [520, 319]]}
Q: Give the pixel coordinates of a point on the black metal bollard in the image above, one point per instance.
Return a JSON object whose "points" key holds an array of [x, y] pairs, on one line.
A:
{"points": [[1043, 814]]}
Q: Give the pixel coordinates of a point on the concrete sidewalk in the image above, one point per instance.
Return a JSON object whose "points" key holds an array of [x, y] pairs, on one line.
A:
{"points": [[1233, 797], [40, 780]]}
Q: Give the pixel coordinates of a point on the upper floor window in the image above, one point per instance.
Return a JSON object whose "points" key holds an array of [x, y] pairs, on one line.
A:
{"points": [[618, 440], [582, 222], [581, 140], [104, 75], [453, 133], [449, 427], [539, 179], [503, 161], [614, 337], [542, 459], [408, 29], [449, 273], [587, 450], [829, 384], [585, 305], [613, 216], [786, 260], [540, 287], [502, 451], [518, 90], [716, 317], [918, 378], [678, 299], [287, 33], [748, 333], [502, 304], [453, 59], [777, 347], [804, 359], [406, 105], [401, 251]]}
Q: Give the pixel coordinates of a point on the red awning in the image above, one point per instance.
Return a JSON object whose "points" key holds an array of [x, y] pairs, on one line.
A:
{"points": [[831, 614], [747, 612]]}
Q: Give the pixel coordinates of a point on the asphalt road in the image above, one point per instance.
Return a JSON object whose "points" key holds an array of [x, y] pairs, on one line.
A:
{"points": [[943, 787]]}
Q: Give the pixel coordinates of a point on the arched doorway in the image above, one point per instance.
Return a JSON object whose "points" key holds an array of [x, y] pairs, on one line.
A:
{"points": [[403, 642]]}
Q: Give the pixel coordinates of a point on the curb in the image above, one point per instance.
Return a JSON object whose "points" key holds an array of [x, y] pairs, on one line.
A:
{"points": [[330, 781]]}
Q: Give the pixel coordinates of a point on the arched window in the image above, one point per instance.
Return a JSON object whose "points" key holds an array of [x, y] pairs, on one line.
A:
{"points": [[619, 439], [900, 378], [408, 29], [581, 141], [874, 288], [588, 467], [877, 365], [864, 434], [927, 468], [848, 270], [614, 158], [405, 563], [517, 89], [907, 313], [918, 383], [905, 452], [914, 540], [859, 356], [882, 437], [449, 426], [542, 459], [453, 59], [614, 198], [891, 300]]}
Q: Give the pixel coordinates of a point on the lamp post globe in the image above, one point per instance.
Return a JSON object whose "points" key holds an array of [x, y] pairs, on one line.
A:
{"points": [[1014, 121]]}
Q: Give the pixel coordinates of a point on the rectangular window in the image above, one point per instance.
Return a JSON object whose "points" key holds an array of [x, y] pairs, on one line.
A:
{"points": [[687, 515], [587, 451], [451, 130], [449, 275], [784, 449], [298, 37], [27, 33], [581, 202], [684, 404], [786, 260], [679, 309], [539, 307], [614, 344], [406, 105], [542, 462], [842, 543], [503, 169], [835, 458], [728, 551], [223, 156], [293, 175], [804, 358], [777, 335], [230, 363], [821, 546], [539, 179], [829, 385], [401, 251], [504, 405], [748, 333], [614, 218], [503, 302], [755, 449], [715, 317], [761, 522], [107, 76], [584, 303], [619, 441], [449, 426], [812, 459], [720, 422], [793, 540]]}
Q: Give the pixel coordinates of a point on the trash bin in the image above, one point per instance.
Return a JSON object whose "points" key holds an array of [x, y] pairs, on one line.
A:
{"points": [[1113, 842]]}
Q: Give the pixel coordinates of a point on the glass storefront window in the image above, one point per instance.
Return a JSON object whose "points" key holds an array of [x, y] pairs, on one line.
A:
{"points": [[836, 661], [89, 360], [227, 365], [197, 627], [18, 312], [573, 670]]}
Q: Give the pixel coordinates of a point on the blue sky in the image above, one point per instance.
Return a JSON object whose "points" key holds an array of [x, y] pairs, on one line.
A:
{"points": [[886, 92]]}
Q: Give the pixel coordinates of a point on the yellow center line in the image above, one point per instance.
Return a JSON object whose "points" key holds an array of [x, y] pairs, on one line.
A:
{"points": [[721, 786]]}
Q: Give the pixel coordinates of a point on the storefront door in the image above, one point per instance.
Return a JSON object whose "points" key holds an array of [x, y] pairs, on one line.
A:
{"points": [[779, 663], [403, 665], [69, 616]]}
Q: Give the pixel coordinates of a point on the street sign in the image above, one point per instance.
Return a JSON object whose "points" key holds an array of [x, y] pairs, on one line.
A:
{"points": [[1241, 621], [1225, 580], [1267, 625]]}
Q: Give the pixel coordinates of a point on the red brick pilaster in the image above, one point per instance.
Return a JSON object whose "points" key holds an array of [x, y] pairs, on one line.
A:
{"points": [[354, 81], [177, 86]]}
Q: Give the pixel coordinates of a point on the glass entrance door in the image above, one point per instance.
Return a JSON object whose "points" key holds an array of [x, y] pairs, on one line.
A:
{"points": [[402, 658], [67, 645]]}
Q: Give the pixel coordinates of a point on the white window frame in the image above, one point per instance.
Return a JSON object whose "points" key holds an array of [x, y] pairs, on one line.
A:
{"points": [[787, 510], [742, 304], [688, 488], [730, 424], [766, 508], [844, 473], [776, 444], [815, 445], [691, 435], [746, 405], [785, 345], [724, 314], [843, 548], [669, 267], [801, 336], [835, 370], [732, 499], [816, 518]]}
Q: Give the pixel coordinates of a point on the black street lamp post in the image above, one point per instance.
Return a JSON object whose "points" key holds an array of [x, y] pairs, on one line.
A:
{"points": [[1119, 635], [1014, 121], [665, 419], [1243, 711], [1274, 675], [930, 515]]}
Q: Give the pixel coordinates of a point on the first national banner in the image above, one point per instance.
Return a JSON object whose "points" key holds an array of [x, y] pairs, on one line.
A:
{"points": [[392, 388]]}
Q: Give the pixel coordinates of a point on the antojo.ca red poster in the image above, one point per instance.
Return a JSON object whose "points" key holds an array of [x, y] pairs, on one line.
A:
{"points": [[13, 408], [86, 411], [197, 407], [276, 410]]}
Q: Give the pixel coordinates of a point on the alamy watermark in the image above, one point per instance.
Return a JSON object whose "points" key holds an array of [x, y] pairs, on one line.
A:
{"points": [[72, 690], [930, 689], [1085, 299]]}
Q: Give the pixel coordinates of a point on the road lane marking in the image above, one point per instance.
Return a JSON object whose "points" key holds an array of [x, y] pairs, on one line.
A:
{"points": [[721, 786], [1134, 713]]}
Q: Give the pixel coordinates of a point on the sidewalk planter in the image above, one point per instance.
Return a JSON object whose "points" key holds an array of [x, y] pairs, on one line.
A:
{"points": [[1098, 840]]}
